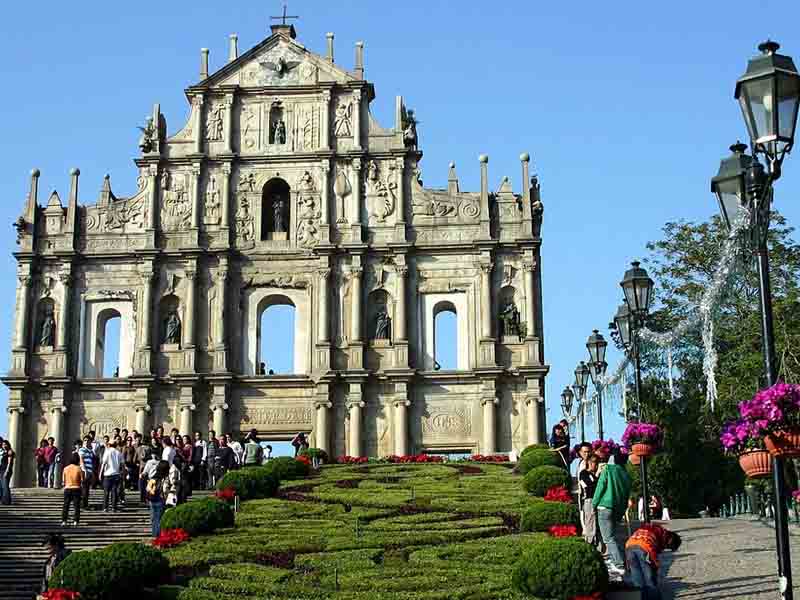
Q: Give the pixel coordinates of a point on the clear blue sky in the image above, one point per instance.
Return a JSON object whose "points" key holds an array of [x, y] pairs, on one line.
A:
{"points": [[626, 109]]}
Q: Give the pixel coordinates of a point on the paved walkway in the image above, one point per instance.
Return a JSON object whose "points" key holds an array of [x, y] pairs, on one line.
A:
{"points": [[725, 558]]}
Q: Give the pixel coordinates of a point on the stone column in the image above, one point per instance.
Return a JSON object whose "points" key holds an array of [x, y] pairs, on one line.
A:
{"points": [[530, 295], [219, 404], [186, 406], [197, 209], [326, 196], [400, 316], [355, 209], [21, 317], [141, 418], [57, 410], [401, 427], [326, 127], [14, 438], [188, 324], [355, 298], [228, 149], [532, 413], [400, 227], [226, 193], [324, 319], [148, 277], [322, 435], [489, 436], [354, 445], [197, 102], [486, 300], [222, 279], [63, 313], [357, 120], [152, 195]]}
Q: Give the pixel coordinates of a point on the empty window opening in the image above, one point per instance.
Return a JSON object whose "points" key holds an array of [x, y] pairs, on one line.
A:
{"points": [[445, 337], [108, 344], [276, 340]]}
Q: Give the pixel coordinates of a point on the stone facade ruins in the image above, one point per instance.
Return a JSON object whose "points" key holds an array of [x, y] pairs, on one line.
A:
{"points": [[282, 189]]}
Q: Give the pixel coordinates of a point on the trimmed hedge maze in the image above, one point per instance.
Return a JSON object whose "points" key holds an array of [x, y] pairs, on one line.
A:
{"points": [[368, 532]]}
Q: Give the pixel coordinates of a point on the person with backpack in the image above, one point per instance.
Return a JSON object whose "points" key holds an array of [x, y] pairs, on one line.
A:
{"points": [[253, 452], [610, 499], [641, 554], [157, 490], [147, 473]]}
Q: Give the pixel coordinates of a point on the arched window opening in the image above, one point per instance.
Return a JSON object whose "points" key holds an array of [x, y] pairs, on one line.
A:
{"points": [[108, 343], [276, 339], [445, 336], [275, 210]]}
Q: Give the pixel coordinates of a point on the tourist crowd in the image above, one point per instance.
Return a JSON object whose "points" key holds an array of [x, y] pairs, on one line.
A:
{"points": [[604, 498]]}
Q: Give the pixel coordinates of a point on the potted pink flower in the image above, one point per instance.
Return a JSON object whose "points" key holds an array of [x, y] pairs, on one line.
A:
{"points": [[643, 439], [775, 414], [745, 440]]}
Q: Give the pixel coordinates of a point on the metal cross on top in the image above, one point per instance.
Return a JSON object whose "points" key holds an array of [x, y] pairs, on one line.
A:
{"points": [[284, 16]]}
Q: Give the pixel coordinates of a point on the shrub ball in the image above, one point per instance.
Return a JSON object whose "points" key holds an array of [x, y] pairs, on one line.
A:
{"points": [[540, 479]]}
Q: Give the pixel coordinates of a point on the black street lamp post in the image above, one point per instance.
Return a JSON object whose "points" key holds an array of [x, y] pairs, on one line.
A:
{"points": [[566, 404], [769, 96], [638, 288], [596, 345], [581, 379]]}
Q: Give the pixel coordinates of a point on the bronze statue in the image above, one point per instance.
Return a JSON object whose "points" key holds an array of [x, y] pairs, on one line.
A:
{"points": [[172, 329], [47, 333], [279, 134], [383, 324], [278, 214], [509, 319]]}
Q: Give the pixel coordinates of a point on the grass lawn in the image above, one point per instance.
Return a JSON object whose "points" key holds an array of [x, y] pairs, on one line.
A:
{"points": [[364, 532]]}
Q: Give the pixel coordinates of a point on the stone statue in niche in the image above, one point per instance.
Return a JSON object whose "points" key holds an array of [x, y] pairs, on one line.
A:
{"points": [[279, 132], [47, 331], [214, 124], [383, 324], [172, 328], [509, 320], [212, 202], [342, 123], [148, 139], [409, 128], [278, 214]]}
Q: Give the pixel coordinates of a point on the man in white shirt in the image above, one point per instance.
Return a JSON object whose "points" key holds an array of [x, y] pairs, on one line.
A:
{"points": [[111, 470], [168, 454], [238, 449]]}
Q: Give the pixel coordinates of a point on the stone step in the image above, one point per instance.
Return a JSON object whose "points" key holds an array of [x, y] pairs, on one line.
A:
{"points": [[36, 512]]}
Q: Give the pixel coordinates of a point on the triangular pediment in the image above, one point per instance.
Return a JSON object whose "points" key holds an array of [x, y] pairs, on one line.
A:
{"points": [[276, 62]]}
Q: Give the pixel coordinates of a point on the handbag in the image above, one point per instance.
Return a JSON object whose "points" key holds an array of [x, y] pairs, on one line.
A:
{"points": [[172, 499]]}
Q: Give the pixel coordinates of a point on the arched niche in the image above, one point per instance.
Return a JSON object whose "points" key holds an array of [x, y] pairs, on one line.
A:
{"points": [[509, 314], [169, 305], [44, 332], [430, 306], [380, 317], [95, 314], [259, 299], [275, 209]]}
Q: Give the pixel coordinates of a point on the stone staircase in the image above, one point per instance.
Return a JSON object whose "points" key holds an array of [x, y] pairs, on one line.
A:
{"points": [[37, 512]]}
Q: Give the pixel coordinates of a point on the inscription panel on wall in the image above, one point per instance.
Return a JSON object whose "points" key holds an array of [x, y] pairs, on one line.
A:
{"points": [[273, 417], [446, 422]]}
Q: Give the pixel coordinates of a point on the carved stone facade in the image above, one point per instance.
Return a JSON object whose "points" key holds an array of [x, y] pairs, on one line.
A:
{"points": [[282, 189]]}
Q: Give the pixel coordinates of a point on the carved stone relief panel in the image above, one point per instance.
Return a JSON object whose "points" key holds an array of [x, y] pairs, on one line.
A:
{"points": [[213, 199], [215, 121], [381, 192], [176, 204]]}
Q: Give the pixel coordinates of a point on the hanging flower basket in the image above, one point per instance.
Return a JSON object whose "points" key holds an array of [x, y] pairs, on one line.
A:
{"points": [[756, 463], [783, 443], [643, 450]]}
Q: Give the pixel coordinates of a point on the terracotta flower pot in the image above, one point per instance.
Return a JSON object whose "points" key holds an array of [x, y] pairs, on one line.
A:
{"points": [[643, 450], [756, 463], [784, 443], [634, 459]]}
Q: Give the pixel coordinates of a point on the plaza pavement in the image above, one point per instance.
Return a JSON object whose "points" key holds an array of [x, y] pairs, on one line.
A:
{"points": [[730, 559]]}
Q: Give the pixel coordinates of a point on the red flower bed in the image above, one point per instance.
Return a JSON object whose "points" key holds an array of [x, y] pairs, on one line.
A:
{"points": [[490, 458], [558, 494], [563, 530], [169, 538], [228, 494], [595, 596], [60, 594], [351, 460], [414, 458]]}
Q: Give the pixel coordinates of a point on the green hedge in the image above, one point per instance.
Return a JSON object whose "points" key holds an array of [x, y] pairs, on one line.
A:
{"points": [[560, 568], [251, 482], [537, 481], [286, 468], [199, 516], [538, 457], [542, 515], [533, 447], [118, 571]]}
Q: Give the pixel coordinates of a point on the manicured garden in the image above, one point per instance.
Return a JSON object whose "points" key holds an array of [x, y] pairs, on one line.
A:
{"points": [[407, 531]]}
